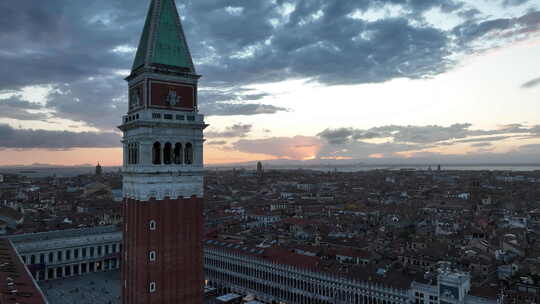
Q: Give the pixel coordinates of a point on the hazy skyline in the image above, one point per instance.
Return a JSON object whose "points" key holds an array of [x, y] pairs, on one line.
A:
{"points": [[434, 81]]}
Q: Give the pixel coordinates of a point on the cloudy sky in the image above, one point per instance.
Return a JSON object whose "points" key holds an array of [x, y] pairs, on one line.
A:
{"points": [[372, 80]]}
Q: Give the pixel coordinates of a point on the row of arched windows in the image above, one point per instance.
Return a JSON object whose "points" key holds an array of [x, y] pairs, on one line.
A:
{"points": [[172, 155], [291, 285], [133, 153]]}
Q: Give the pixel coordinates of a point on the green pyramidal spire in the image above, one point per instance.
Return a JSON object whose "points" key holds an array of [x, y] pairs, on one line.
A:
{"points": [[163, 42]]}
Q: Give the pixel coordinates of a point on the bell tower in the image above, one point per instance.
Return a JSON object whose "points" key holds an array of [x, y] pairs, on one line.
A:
{"points": [[163, 168]]}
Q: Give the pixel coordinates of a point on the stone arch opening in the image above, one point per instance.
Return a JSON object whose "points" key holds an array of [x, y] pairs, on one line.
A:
{"points": [[135, 153], [156, 153], [178, 151], [189, 154], [167, 154]]}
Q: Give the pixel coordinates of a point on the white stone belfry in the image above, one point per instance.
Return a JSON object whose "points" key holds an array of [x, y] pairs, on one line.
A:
{"points": [[152, 172]]}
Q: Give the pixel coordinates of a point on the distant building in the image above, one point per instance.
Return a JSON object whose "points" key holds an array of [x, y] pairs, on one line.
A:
{"points": [[260, 172], [67, 253], [306, 187], [259, 168], [97, 190], [448, 287], [99, 170], [279, 277], [11, 218], [117, 195], [1, 178]]}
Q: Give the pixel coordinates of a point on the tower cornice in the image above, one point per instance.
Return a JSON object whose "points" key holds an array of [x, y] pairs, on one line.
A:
{"points": [[161, 72], [143, 124]]}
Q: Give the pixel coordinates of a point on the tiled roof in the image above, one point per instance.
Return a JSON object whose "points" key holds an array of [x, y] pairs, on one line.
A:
{"points": [[17, 283], [163, 41], [61, 234]]}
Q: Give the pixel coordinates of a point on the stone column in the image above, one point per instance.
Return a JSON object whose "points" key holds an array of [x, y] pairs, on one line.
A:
{"points": [[145, 152], [125, 153], [198, 153]]}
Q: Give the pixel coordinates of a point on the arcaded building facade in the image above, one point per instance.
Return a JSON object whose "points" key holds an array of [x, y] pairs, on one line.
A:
{"points": [[232, 267], [69, 253]]}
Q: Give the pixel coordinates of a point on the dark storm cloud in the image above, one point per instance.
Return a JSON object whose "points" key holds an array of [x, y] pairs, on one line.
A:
{"points": [[20, 114], [18, 103], [237, 130], [395, 143], [536, 129], [334, 49], [514, 2], [231, 109], [55, 41], [97, 102], [474, 30], [69, 45], [337, 136], [228, 102], [531, 83], [404, 134], [344, 135], [426, 135], [24, 138], [73, 40], [16, 108], [351, 142], [360, 149], [230, 95], [484, 139], [297, 147], [482, 145], [216, 143], [469, 13]]}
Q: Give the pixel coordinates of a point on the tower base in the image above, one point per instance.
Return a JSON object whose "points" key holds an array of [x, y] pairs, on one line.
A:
{"points": [[163, 253]]}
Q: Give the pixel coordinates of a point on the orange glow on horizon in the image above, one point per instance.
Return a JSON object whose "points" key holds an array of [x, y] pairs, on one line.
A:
{"points": [[109, 157], [72, 157], [337, 158], [218, 155]]}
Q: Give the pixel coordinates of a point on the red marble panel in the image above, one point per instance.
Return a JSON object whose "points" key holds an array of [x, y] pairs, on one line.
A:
{"points": [[160, 91], [136, 97]]}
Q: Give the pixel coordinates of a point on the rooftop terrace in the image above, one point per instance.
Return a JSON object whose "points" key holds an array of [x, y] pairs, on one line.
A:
{"points": [[61, 234]]}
